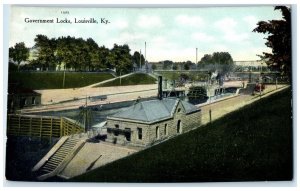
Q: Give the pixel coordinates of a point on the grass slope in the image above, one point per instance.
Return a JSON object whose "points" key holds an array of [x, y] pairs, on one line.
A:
{"points": [[54, 80], [134, 79], [250, 144]]}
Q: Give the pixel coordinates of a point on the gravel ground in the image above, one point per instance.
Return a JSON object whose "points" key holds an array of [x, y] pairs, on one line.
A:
{"points": [[94, 155]]}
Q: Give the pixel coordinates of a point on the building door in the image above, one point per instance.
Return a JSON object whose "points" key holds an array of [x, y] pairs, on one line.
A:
{"points": [[179, 128]]}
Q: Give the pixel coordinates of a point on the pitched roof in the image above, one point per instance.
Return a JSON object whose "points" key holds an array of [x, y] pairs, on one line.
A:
{"points": [[14, 89], [154, 110]]}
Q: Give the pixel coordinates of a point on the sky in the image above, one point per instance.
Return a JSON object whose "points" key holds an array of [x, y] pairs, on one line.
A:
{"points": [[170, 33]]}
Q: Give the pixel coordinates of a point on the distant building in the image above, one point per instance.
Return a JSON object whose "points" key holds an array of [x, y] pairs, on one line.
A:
{"points": [[147, 122], [19, 97], [252, 63]]}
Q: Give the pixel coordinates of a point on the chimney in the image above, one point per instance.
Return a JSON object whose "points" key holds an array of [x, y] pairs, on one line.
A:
{"points": [[160, 94]]}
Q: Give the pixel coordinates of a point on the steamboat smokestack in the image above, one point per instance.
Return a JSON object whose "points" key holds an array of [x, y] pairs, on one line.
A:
{"points": [[160, 93]]}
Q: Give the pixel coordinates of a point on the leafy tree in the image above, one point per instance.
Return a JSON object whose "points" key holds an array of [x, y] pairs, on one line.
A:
{"points": [[221, 61], [167, 64], [174, 67], [82, 57], [103, 54], [93, 53], [206, 59], [19, 53], [188, 65], [154, 67], [138, 58], [120, 58], [45, 51], [279, 40], [65, 51]]}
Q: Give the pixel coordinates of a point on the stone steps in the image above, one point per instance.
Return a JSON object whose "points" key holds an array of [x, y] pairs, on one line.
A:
{"points": [[59, 156]]}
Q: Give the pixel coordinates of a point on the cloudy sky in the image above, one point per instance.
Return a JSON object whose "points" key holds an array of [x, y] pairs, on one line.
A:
{"points": [[170, 33]]}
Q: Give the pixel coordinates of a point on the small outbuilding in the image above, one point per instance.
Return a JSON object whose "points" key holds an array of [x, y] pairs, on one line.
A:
{"points": [[20, 97], [147, 122]]}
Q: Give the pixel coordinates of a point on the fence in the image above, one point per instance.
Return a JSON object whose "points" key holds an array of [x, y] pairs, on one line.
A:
{"points": [[41, 126]]}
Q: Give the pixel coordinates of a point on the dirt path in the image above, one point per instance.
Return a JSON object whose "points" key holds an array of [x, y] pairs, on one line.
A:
{"points": [[222, 108]]}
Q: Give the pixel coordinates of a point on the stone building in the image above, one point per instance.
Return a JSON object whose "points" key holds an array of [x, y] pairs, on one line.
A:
{"points": [[20, 97], [147, 122]]}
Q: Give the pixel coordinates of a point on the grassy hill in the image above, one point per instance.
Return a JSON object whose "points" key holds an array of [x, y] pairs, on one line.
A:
{"points": [[134, 79], [54, 80], [250, 144]]}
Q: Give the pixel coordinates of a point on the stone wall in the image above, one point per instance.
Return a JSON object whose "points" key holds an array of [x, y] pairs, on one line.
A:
{"points": [[121, 139], [155, 132]]}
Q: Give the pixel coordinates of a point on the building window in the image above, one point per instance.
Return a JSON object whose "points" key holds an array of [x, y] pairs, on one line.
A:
{"points": [[33, 100], [116, 132], [157, 132], [179, 109], [128, 134], [140, 133], [179, 129], [166, 129]]}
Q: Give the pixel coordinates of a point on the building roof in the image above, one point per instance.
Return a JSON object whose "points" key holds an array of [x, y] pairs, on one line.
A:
{"points": [[154, 110], [16, 89]]}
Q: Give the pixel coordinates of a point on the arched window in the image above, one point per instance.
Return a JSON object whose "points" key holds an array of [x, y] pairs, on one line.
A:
{"points": [[157, 132], [33, 100], [179, 128], [166, 129]]}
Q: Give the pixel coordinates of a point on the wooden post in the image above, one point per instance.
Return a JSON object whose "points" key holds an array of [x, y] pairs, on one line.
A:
{"points": [[260, 90], [30, 127], [61, 127], [41, 126], [19, 125], [51, 127], [210, 115]]}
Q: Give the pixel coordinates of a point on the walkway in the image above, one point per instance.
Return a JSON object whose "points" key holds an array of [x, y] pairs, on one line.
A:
{"points": [[221, 108], [94, 155]]}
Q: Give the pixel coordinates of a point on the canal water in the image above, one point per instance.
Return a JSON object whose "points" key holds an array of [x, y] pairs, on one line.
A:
{"points": [[99, 113]]}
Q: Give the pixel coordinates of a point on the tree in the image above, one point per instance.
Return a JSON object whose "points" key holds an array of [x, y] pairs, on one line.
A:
{"points": [[221, 61], [120, 58], [206, 59], [154, 67], [93, 53], [188, 65], [167, 64], [64, 51], [138, 59], [103, 54], [279, 40], [45, 51], [19, 53]]}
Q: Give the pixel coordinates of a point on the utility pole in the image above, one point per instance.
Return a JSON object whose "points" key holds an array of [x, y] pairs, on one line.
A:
{"points": [[146, 66], [120, 78], [145, 51], [85, 116], [64, 79], [196, 56]]}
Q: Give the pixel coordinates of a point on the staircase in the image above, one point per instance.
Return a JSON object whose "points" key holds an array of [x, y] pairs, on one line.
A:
{"points": [[51, 165]]}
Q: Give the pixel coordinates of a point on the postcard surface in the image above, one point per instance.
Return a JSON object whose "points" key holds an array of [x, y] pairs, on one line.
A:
{"points": [[169, 95]]}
